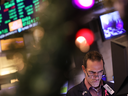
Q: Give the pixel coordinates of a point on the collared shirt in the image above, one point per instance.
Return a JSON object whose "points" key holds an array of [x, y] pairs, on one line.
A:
{"points": [[81, 89], [92, 90]]}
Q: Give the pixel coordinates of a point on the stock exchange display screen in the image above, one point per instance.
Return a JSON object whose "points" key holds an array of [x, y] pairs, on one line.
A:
{"points": [[18, 15]]}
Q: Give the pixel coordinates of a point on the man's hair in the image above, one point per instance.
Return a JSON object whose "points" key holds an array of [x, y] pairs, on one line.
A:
{"points": [[92, 55]]}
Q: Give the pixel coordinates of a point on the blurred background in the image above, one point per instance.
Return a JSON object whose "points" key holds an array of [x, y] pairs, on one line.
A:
{"points": [[43, 42]]}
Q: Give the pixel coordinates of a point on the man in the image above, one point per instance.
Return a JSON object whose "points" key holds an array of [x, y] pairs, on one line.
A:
{"points": [[92, 85]]}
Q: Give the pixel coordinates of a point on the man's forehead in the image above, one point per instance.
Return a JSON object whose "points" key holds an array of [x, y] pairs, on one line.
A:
{"points": [[93, 61], [94, 64], [95, 71]]}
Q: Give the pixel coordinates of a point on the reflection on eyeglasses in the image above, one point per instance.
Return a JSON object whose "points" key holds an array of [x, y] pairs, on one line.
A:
{"points": [[92, 74]]}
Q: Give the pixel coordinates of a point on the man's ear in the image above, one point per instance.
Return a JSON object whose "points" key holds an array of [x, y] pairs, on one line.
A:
{"points": [[83, 68]]}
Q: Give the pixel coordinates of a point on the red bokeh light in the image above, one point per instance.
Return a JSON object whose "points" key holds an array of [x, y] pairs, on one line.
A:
{"points": [[87, 34]]}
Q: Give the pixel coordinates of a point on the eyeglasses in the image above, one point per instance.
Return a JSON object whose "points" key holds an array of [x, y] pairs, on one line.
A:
{"points": [[93, 74]]}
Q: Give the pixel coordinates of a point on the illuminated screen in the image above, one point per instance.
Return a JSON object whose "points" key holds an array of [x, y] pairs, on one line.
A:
{"points": [[64, 88], [13, 43], [17, 16], [111, 25]]}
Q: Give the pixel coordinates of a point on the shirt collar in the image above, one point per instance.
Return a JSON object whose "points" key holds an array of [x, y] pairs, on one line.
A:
{"points": [[89, 86], [82, 86]]}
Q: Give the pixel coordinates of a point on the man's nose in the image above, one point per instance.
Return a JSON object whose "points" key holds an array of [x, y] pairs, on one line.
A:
{"points": [[96, 75]]}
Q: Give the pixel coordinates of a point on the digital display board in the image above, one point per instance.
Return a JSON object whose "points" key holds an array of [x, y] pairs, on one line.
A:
{"points": [[111, 25], [18, 15]]}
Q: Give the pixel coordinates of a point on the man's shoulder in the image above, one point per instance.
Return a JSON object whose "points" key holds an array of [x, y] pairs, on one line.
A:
{"points": [[74, 88], [77, 90]]}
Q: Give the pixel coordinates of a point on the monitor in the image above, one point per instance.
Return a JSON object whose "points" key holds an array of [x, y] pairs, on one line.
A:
{"points": [[64, 89], [18, 15], [111, 25], [119, 50]]}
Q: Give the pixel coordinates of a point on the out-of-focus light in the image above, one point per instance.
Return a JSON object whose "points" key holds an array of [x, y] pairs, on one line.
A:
{"points": [[82, 44], [87, 34], [86, 3], [38, 33], [84, 47], [5, 72], [14, 80], [81, 39], [84, 38], [8, 70], [83, 4]]}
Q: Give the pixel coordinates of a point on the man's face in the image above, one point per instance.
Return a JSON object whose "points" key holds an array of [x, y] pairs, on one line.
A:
{"points": [[93, 72]]}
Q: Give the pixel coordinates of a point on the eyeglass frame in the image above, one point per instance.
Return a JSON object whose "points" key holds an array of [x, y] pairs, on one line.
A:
{"points": [[92, 76]]}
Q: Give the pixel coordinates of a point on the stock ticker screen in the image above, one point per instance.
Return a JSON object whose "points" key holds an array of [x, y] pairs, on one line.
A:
{"points": [[18, 15]]}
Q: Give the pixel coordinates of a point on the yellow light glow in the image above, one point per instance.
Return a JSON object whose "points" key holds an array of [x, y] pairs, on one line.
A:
{"points": [[81, 39], [84, 47], [5, 72], [14, 80], [8, 70], [82, 44]]}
